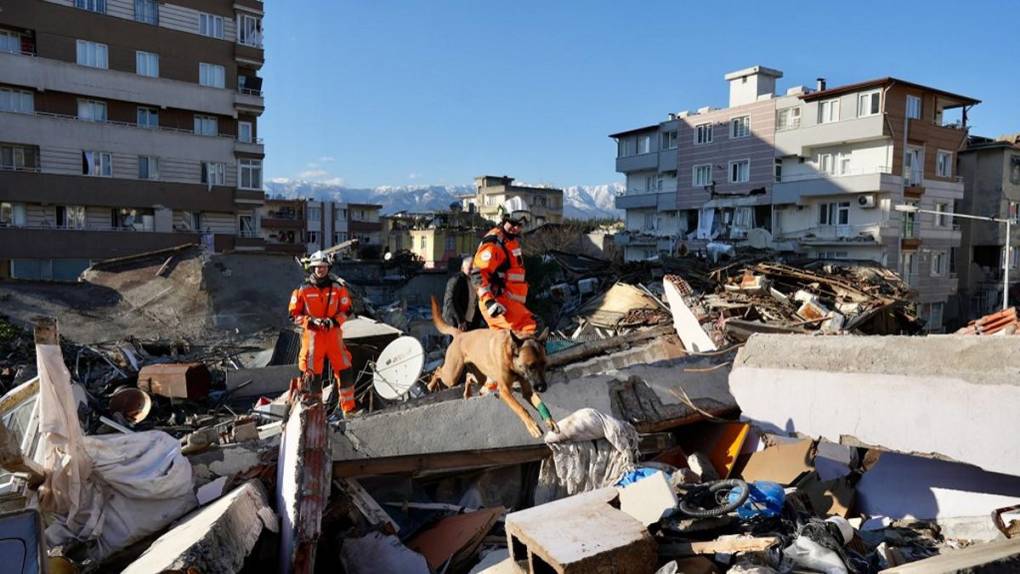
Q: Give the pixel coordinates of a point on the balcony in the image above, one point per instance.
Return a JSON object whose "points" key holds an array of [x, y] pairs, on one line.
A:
{"points": [[636, 200], [255, 147], [249, 55], [800, 141], [250, 100], [793, 188], [89, 243], [279, 222], [643, 162], [57, 76], [250, 196], [838, 235], [950, 232]]}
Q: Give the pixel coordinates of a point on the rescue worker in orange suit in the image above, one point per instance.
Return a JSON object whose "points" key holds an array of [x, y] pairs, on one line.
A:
{"points": [[498, 276], [321, 306]]}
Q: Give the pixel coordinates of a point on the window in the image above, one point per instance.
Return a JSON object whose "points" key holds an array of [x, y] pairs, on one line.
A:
{"points": [[18, 158], [91, 5], [669, 139], [1014, 169], [1014, 210], [828, 111], [248, 31], [869, 103], [843, 160], [147, 64], [826, 164], [621, 148], [740, 127], [251, 174], [944, 163], [213, 173], [703, 133], [148, 117], [914, 107], [649, 224], [10, 42], [740, 171], [835, 213], [644, 144], [146, 11], [910, 222], [210, 25], [97, 163], [779, 170], [92, 54], [206, 125], [244, 132], [247, 225], [938, 263], [339, 237], [212, 75], [942, 218], [314, 213], [913, 166], [70, 216], [702, 175], [649, 183], [935, 316], [421, 244], [148, 167], [312, 236], [788, 118], [17, 101], [91, 110]]}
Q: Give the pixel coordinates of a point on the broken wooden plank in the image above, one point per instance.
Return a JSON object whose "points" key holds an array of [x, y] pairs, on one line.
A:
{"points": [[723, 545], [367, 505]]}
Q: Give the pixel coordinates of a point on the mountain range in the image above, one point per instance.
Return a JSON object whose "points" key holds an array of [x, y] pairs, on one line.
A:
{"points": [[579, 201]]}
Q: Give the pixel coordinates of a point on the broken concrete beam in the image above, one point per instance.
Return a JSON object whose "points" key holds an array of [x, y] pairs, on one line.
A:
{"points": [[231, 460], [213, 540], [412, 438], [595, 348], [917, 395], [302, 484], [579, 534], [686, 323], [269, 381], [663, 348], [1001, 556]]}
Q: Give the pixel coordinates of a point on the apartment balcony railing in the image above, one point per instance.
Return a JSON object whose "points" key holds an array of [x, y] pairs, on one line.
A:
{"points": [[878, 169], [249, 92], [19, 168], [123, 124], [836, 234], [55, 227]]}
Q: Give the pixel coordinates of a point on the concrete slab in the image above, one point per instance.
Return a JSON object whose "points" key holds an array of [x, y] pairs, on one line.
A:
{"points": [[648, 499], [918, 395], [579, 534], [993, 558], [481, 425], [213, 540], [302, 484]]}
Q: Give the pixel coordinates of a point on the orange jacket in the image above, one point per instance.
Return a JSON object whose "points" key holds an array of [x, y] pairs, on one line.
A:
{"points": [[312, 302], [498, 268]]}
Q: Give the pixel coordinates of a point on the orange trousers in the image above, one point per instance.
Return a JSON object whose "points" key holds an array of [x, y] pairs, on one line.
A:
{"points": [[316, 347], [517, 317]]}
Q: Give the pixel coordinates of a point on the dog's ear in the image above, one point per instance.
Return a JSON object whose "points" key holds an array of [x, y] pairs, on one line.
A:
{"points": [[515, 341], [541, 338]]}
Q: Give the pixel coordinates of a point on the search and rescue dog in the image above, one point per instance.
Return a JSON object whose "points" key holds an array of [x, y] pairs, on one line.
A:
{"points": [[499, 358]]}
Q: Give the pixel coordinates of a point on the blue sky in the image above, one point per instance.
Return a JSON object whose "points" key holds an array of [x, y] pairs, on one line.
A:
{"points": [[390, 92]]}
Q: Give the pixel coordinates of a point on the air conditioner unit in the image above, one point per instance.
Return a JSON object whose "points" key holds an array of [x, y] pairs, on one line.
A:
{"points": [[866, 201]]}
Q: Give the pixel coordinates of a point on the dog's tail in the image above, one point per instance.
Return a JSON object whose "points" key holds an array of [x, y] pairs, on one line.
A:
{"points": [[437, 320]]}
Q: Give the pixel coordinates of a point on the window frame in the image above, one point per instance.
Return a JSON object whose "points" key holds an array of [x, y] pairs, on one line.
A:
{"points": [[735, 127], [148, 57], [154, 20], [242, 34], [91, 104], [97, 6], [694, 174], [213, 173], [703, 133], [939, 258], [12, 37], [939, 172], [792, 119], [669, 140], [16, 97], [212, 75], [151, 163], [920, 106], [241, 124], [150, 113], [207, 25], [91, 51], [203, 121], [833, 106], [253, 167], [737, 162], [101, 162], [871, 95]]}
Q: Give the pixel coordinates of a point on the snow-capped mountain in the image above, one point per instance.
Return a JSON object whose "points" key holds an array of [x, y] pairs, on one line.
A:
{"points": [[579, 201]]}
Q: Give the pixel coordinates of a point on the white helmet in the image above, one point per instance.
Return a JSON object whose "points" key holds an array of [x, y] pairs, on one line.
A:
{"points": [[319, 258], [514, 209]]}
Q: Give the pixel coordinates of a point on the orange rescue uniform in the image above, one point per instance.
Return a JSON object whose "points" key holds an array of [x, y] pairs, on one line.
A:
{"points": [[309, 303], [498, 275]]}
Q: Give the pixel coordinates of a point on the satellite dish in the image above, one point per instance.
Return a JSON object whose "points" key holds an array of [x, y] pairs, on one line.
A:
{"points": [[398, 367]]}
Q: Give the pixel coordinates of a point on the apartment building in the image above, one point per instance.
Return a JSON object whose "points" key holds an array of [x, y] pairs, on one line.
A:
{"points": [[544, 203], [438, 246], [128, 126], [991, 174], [282, 225], [326, 224], [364, 224], [818, 171]]}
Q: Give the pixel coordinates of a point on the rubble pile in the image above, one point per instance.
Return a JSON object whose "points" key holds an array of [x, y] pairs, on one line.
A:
{"points": [[1004, 322]]}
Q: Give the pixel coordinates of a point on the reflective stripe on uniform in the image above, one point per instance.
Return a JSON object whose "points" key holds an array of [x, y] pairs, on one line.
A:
{"points": [[516, 251], [516, 297], [518, 277]]}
